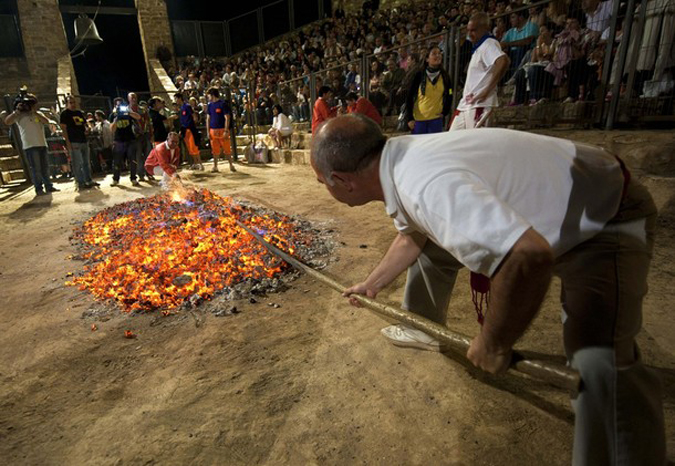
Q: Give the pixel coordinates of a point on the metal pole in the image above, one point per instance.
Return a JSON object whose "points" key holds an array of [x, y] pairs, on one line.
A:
{"points": [[291, 15], [559, 376], [365, 77], [228, 40], [607, 67], [200, 39], [638, 42], [455, 73], [261, 29], [312, 94], [623, 51]]}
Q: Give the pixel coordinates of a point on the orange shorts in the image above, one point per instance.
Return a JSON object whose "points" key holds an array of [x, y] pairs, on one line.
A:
{"points": [[190, 143], [220, 141]]}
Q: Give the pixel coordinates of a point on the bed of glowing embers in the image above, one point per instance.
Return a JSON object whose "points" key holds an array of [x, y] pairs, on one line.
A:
{"points": [[180, 248]]}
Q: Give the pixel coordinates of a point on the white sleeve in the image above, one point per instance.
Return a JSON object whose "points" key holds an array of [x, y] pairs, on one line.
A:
{"points": [[465, 218], [490, 51]]}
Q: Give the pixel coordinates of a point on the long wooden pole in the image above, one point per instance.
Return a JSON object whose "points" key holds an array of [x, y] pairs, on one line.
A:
{"points": [[554, 374]]}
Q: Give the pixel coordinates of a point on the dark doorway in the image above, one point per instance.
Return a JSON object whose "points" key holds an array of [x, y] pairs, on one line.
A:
{"points": [[116, 66]]}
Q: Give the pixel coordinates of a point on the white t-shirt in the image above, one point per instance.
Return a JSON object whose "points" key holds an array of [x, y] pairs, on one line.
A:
{"points": [[475, 192], [479, 74], [599, 20], [283, 124], [31, 130]]}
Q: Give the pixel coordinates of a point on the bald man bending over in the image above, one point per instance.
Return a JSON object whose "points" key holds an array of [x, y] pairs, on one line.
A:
{"points": [[552, 207]]}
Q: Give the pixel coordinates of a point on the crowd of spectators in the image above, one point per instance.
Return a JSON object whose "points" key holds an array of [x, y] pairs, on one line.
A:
{"points": [[553, 46]]}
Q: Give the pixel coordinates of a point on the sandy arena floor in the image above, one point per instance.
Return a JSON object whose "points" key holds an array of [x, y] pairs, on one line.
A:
{"points": [[310, 382]]}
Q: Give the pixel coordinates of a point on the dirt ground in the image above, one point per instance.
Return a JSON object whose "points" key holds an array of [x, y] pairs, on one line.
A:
{"points": [[310, 382]]}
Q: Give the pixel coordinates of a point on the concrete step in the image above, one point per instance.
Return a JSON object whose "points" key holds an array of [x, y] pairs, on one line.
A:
{"points": [[4, 140], [10, 163]]}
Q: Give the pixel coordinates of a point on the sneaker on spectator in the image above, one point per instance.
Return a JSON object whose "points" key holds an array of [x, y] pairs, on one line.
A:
{"points": [[408, 337], [533, 102], [114, 183], [53, 190], [200, 167], [135, 183]]}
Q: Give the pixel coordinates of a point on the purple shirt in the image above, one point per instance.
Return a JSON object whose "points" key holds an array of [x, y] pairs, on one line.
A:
{"points": [[217, 111], [186, 120]]}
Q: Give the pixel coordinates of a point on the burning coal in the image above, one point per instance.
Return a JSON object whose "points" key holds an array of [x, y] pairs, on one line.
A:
{"points": [[163, 251]]}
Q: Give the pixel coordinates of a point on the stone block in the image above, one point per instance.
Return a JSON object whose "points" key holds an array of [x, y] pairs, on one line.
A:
{"points": [[10, 163]]}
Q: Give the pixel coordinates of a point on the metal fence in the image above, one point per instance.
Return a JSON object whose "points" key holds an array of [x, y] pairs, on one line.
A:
{"points": [[255, 27], [579, 69]]}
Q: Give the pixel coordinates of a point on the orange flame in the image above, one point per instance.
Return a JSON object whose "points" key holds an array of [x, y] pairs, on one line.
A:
{"points": [[157, 252]]}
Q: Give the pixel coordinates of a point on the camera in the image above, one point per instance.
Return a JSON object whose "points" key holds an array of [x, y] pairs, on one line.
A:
{"points": [[122, 109], [25, 100]]}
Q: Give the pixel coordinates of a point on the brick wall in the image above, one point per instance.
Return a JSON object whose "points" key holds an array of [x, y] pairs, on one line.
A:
{"points": [[153, 23], [44, 40]]}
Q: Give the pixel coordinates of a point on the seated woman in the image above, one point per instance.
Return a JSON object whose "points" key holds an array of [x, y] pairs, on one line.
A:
{"points": [[532, 75], [281, 126]]}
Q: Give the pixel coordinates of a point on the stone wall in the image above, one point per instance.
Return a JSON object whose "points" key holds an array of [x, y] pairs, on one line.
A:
{"points": [[45, 42], [160, 82], [153, 23]]}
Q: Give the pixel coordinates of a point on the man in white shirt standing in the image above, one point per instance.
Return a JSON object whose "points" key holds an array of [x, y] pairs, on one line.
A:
{"points": [[487, 66], [31, 129], [551, 207]]}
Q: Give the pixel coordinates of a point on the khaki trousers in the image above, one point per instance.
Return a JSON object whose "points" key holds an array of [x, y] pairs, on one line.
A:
{"points": [[619, 412]]}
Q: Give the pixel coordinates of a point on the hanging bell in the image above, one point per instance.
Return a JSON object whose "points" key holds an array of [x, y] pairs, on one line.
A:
{"points": [[85, 31]]}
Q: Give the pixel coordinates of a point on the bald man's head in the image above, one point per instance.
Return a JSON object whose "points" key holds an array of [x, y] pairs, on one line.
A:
{"points": [[348, 143]]}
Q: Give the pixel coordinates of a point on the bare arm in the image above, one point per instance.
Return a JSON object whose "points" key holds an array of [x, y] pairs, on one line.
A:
{"points": [[64, 127], [404, 250], [11, 118], [517, 291], [518, 43]]}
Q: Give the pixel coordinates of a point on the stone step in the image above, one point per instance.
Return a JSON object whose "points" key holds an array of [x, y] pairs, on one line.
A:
{"points": [[4, 140], [290, 156], [301, 126], [299, 140], [6, 150], [13, 175], [10, 163]]}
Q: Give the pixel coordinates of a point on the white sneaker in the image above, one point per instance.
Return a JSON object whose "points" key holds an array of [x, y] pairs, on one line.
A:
{"points": [[402, 335]]}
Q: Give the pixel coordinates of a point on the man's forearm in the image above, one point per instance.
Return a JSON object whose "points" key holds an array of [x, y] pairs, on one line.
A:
{"points": [[517, 291], [404, 250], [499, 68], [11, 118], [518, 43]]}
